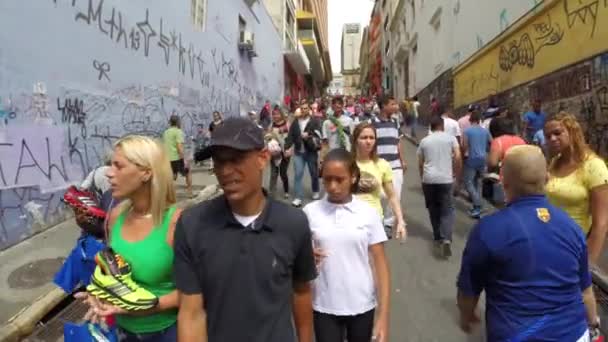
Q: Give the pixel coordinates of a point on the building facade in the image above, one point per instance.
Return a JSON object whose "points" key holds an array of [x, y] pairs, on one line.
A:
{"points": [[336, 86], [430, 37], [85, 73], [350, 50], [350, 46], [296, 74], [376, 51], [364, 84], [313, 34]]}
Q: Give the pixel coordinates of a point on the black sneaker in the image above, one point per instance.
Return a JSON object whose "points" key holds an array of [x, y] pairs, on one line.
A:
{"points": [[446, 247], [389, 232]]}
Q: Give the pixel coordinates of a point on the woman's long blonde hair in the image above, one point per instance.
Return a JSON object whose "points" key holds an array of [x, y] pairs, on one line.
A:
{"points": [[579, 149], [149, 154]]}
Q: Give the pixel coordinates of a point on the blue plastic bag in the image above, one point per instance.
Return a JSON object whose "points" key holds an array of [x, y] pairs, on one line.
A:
{"points": [[88, 332]]}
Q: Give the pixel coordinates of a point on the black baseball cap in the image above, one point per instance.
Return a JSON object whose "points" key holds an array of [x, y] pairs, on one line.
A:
{"points": [[239, 133]]}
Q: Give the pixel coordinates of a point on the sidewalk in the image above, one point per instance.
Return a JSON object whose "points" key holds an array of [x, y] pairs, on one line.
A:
{"points": [[26, 270]]}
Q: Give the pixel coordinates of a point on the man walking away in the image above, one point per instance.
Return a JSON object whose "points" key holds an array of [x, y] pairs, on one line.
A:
{"points": [[534, 121], [243, 261], [173, 139], [439, 160], [304, 142], [389, 148], [531, 260], [476, 141], [415, 115]]}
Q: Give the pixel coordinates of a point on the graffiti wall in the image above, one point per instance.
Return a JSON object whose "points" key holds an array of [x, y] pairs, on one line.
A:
{"points": [[560, 33], [75, 75]]}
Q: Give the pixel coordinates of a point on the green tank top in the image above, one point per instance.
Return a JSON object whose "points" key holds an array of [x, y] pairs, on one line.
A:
{"points": [[151, 261]]}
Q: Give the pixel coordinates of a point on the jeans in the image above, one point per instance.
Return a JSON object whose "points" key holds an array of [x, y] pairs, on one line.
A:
{"points": [[279, 170], [332, 328], [167, 335], [439, 201], [389, 216], [472, 176], [299, 161], [414, 125]]}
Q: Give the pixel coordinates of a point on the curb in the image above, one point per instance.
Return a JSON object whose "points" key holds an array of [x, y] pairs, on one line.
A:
{"points": [[24, 322]]}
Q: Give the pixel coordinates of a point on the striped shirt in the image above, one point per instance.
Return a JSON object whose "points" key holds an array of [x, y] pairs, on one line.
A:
{"points": [[387, 135]]}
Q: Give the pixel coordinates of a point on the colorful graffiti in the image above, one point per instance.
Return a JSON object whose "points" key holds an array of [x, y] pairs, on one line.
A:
{"points": [[560, 33], [116, 69]]}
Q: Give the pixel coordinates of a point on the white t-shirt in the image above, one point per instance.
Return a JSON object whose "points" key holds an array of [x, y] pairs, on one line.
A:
{"points": [[415, 106], [437, 150], [345, 285], [245, 220]]}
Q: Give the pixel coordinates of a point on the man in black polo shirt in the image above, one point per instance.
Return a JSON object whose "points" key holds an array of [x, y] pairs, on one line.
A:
{"points": [[243, 262]]}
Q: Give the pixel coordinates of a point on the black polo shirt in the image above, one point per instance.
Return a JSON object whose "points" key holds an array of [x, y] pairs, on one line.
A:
{"points": [[245, 274]]}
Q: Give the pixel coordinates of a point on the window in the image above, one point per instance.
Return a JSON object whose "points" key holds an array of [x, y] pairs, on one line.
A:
{"points": [[198, 13]]}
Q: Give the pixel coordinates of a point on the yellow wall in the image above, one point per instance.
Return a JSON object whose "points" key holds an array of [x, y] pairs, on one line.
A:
{"points": [[562, 33]]}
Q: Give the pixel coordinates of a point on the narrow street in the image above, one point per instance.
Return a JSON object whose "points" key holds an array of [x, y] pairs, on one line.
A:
{"points": [[424, 287]]}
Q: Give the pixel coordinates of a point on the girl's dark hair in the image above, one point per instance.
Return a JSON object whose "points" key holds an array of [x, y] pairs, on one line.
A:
{"points": [[343, 156]]}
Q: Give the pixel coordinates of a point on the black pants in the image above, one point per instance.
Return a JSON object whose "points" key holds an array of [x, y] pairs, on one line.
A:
{"points": [[439, 201], [280, 170], [331, 328]]}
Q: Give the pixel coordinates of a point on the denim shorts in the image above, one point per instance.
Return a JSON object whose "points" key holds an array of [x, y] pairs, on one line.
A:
{"points": [[166, 335]]}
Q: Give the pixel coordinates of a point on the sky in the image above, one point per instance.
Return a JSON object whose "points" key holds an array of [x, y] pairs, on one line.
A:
{"points": [[341, 12]]}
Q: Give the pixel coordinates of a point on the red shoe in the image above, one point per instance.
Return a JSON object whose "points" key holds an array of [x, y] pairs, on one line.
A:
{"points": [[82, 201]]}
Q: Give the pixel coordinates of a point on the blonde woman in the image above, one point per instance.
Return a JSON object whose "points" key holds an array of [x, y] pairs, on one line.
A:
{"points": [[578, 180], [141, 231]]}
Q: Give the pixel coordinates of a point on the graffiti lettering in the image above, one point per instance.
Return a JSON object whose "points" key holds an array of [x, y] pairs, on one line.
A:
{"points": [[164, 42], [35, 164], [583, 10], [93, 14], [548, 34], [146, 29], [102, 68]]}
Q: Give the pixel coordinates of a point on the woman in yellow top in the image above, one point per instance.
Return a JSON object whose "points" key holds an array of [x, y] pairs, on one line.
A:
{"points": [[578, 180], [376, 175]]}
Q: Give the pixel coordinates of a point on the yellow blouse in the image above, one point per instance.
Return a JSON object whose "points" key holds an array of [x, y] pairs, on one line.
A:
{"points": [[572, 193]]}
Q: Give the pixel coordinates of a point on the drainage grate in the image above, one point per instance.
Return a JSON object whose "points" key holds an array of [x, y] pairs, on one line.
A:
{"points": [[52, 330]]}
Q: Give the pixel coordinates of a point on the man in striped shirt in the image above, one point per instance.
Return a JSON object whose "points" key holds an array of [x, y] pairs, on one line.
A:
{"points": [[389, 148]]}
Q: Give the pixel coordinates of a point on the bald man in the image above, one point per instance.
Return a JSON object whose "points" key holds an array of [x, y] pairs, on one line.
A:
{"points": [[531, 260]]}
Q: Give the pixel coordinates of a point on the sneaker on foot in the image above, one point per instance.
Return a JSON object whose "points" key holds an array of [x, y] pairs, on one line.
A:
{"points": [[316, 196], [475, 213], [446, 248], [297, 203], [286, 196], [389, 232]]}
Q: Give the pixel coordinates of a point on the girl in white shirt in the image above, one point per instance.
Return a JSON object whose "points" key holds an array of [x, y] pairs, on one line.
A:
{"points": [[347, 234]]}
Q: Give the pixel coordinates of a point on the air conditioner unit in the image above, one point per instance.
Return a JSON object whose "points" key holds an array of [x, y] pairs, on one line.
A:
{"points": [[246, 40]]}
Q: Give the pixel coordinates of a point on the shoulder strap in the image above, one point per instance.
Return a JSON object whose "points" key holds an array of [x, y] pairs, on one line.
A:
{"points": [[167, 218]]}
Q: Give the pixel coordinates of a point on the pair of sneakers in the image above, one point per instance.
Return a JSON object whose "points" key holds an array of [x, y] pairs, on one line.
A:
{"points": [[298, 202]]}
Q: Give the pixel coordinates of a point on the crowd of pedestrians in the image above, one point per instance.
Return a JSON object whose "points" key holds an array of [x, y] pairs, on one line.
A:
{"points": [[247, 266]]}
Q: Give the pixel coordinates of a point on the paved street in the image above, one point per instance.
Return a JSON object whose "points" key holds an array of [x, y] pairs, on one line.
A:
{"points": [[424, 292]]}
